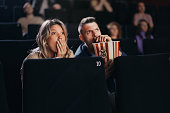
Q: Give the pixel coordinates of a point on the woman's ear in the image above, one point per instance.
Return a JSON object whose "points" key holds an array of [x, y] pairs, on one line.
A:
{"points": [[81, 38]]}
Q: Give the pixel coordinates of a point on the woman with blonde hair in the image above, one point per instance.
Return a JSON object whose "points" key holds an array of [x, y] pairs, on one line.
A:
{"points": [[52, 42]]}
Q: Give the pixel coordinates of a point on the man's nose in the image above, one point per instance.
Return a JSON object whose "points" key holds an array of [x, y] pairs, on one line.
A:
{"points": [[95, 34]]}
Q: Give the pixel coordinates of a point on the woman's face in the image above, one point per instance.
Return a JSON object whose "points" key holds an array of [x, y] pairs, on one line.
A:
{"points": [[144, 26], [56, 34], [114, 30]]}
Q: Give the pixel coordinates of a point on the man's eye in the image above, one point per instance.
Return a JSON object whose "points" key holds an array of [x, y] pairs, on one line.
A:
{"points": [[97, 29], [53, 33], [88, 32]]}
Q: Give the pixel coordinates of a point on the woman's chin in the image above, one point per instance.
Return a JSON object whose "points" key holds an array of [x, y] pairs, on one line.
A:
{"points": [[54, 51]]}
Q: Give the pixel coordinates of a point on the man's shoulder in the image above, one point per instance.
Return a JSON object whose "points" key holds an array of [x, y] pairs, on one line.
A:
{"points": [[38, 18], [81, 51], [123, 53], [21, 19]]}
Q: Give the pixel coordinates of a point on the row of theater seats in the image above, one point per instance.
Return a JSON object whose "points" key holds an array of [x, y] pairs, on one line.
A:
{"points": [[13, 53], [142, 86], [13, 31], [72, 30], [154, 46], [129, 46]]}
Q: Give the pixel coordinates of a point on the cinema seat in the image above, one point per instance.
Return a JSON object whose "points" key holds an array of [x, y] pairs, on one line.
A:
{"points": [[33, 30], [12, 55], [10, 31], [143, 84], [75, 85], [3, 99], [156, 46], [129, 46]]}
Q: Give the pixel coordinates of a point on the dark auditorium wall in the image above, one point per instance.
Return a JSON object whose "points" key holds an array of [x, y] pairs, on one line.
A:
{"points": [[157, 3], [6, 9], [15, 2]]}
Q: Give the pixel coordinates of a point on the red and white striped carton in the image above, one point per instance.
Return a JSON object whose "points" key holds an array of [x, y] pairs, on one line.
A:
{"points": [[107, 50]]}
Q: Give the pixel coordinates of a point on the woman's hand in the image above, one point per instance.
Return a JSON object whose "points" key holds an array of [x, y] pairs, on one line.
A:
{"points": [[61, 48]]}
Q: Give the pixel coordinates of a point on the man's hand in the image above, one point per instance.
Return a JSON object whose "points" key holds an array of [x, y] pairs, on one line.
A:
{"points": [[103, 38]]}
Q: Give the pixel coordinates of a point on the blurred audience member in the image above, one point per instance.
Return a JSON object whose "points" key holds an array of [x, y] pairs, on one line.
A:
{"points": [[114, 30], [101, 5], [40, 5], [29, 19], [142, 15], [143, 32]]}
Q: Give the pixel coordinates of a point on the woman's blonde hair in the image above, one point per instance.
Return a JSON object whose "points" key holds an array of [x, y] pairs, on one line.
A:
{"points": [[43, 35]]}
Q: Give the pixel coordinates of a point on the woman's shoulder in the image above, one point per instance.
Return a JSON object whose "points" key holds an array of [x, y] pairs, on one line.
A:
{"points": [[70, 54], [33, 55]]}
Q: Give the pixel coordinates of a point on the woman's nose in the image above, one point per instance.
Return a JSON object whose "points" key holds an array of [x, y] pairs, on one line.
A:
{"points": [[59, 38]]}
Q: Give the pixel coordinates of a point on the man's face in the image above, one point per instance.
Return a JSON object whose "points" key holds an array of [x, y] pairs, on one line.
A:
{"points": [[141, 7], [89, 33], [28, 8]]}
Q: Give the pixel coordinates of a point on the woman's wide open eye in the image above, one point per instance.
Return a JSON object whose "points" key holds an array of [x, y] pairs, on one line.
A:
{"points": [[62, 33], [53, 33]]}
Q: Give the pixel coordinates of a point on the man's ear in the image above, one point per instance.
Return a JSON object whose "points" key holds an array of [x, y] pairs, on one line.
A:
{"points": [[81, 38]]}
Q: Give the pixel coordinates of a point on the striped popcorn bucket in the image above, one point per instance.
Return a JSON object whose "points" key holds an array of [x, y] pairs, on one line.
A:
{"points": [[107, 50]]}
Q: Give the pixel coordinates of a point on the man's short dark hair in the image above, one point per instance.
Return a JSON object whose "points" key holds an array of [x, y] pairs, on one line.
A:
{"points": [[85, 21], [141, 2]]}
